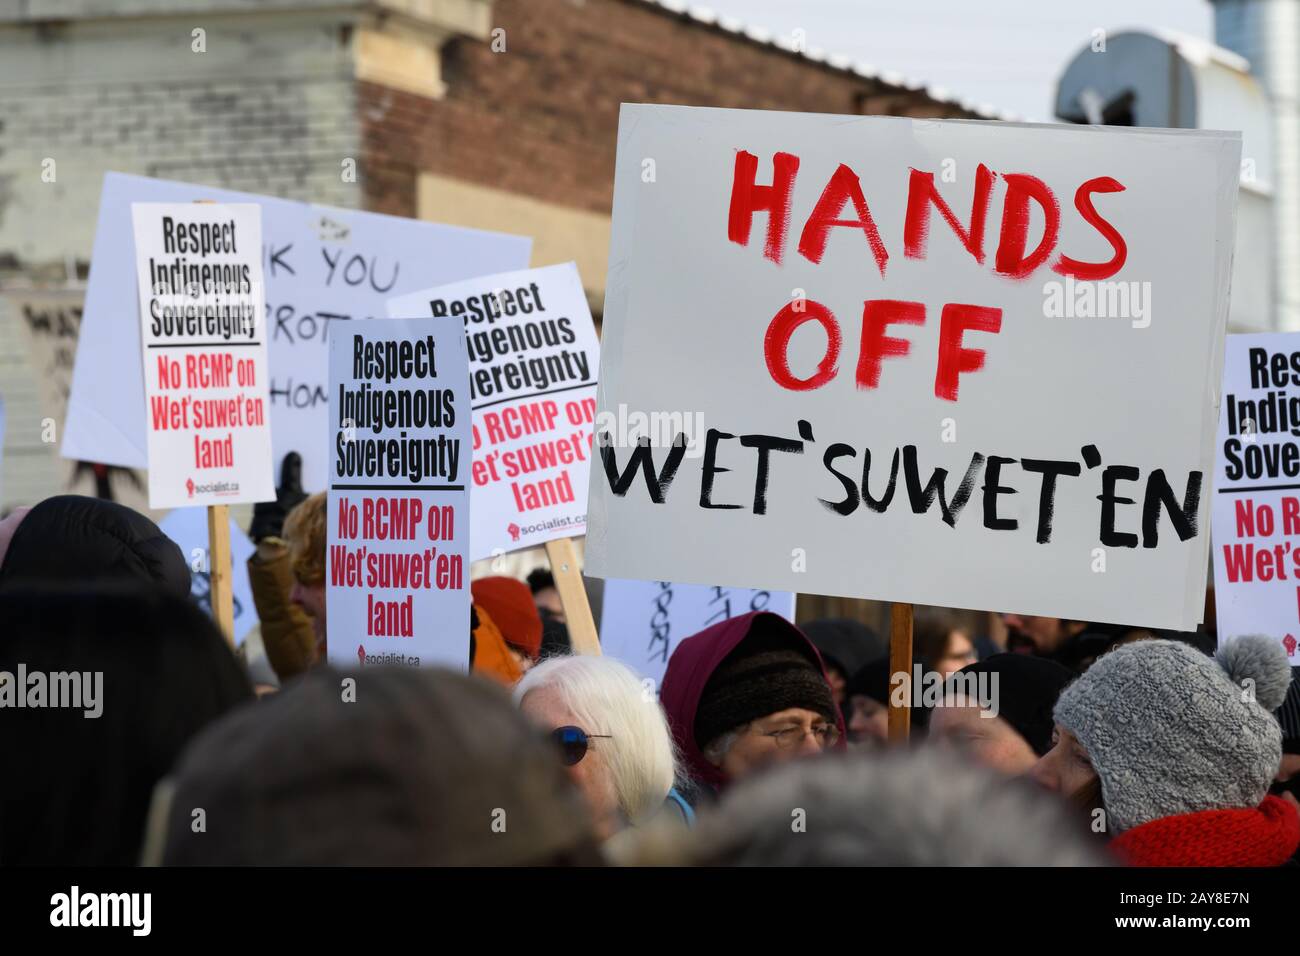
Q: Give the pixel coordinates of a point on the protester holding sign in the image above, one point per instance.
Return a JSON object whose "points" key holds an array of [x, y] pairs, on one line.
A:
{"points": [[866, 716], [745, 693], [291, 638], [1184, 748], [510, 604], [999, 711], [305, 536], [1042, 635], [612, 735], [555, 628], [489, 654], [846, 646], [940, 643]]}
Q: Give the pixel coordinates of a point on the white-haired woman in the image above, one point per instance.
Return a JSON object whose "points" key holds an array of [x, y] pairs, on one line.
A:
{"points": [[613, 736]]}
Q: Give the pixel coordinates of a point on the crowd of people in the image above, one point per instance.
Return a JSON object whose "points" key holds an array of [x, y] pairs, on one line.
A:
{"points": [[1039, 742]]}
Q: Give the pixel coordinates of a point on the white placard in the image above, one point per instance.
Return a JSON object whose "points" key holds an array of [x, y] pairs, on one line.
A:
{"points": [[1257, 491], [322, 265], [188, 527], [1020, 325], [398, 512], [642, 622], [199, 274], [533, 358]]}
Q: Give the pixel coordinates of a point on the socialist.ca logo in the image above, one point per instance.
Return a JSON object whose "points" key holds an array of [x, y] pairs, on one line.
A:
{"points": [[514, 531]]}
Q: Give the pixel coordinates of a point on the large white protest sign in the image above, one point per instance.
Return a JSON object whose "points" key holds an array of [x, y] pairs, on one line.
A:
{"points": [[188, 527], [199, 273], [957, 363], [322, 266], [1256, 508], [533, 358], [397, 588], [642, 622]]}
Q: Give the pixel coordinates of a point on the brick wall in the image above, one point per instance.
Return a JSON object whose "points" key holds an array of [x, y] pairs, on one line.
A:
{"points": [[270, 107], [274, 107], [541, 118]]}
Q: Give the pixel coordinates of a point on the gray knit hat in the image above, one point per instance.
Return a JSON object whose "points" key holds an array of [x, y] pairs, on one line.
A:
{"points": [[1172, 731]]}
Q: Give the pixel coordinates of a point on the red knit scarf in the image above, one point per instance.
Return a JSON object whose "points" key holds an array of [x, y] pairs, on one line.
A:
{"points": [[1265, 836]]}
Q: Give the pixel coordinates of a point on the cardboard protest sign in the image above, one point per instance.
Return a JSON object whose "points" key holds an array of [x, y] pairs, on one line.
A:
{"points": [[199, 269], [1256, 510], [397, 588], [533, 359], [322, 266], [188, 527], [868, 315], [642, 622]]}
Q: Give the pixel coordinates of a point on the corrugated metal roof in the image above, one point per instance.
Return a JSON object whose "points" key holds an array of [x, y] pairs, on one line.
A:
{"points": [[833, 61]]}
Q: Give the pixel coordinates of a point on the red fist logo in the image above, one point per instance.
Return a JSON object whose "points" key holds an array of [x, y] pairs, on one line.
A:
{"points": [[514, 531]]}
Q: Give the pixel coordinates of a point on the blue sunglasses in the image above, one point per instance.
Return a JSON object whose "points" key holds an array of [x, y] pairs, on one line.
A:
{"points": [[574, 742]]}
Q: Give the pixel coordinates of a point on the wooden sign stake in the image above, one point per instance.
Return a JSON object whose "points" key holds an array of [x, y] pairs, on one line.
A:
{"points": [[573, 596], [900, 661], [221, 593]]}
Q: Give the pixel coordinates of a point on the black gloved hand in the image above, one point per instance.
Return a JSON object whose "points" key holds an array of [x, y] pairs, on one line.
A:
{"points": [[268, 516]]}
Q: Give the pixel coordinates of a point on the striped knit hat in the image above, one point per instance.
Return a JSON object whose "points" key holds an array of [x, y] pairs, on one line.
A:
{"points": [[766, 673]]}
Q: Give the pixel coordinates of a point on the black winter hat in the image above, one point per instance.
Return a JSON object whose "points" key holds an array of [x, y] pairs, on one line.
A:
{"points": [[769, 671], [1028, 687], [871, 680], [73, 538], [844, 643]]}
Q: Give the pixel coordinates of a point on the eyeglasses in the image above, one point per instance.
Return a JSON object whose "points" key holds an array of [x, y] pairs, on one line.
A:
{"points": [[574, 742], [827, 735]]}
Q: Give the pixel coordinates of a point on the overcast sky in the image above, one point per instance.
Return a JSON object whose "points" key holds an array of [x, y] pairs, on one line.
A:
{"points": [[1004, 53]]}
